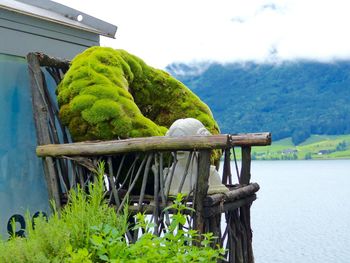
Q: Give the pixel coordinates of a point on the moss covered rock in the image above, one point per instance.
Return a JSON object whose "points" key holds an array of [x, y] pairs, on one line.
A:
{"points": [[110, 94]]}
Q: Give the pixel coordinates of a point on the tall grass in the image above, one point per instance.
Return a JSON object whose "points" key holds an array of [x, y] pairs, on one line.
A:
{"points": [[66, 232]]}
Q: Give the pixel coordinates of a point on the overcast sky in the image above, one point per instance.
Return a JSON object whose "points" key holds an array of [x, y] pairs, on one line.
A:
{"points": [[165, 31]]}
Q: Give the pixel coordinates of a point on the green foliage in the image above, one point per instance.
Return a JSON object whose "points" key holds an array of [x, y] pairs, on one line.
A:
{"points": [[65, 236], [300, 135], [175, 245], [110, 94], [308, 156], [88, 230], [290, 99], [342, 146]]}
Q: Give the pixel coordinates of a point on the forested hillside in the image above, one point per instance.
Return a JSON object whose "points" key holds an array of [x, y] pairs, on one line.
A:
{"points": [[290, 99]]}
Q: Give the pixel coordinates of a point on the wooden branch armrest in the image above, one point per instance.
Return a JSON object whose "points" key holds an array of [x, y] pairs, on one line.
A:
{"points": [[159, 143]]}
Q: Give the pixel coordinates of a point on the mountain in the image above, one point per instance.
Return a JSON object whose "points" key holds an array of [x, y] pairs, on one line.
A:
{"points": [[290, 99]]}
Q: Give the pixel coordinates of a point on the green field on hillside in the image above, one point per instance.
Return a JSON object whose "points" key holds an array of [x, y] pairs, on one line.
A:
{"points": [[315, 147]]}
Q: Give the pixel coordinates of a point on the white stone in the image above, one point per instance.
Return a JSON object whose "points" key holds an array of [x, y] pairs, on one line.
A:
{"points": [[183, 127]]}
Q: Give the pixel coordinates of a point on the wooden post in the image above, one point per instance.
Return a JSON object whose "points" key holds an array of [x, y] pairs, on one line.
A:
{"points": [[245, 170], [245, 210], [245, 219], [41, 124], [227, 176], [201, 189]]}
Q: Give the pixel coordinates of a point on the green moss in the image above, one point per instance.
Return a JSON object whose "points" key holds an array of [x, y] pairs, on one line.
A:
{"points": [[109, 94], [80, 103], [78, 129], [102, 110]]}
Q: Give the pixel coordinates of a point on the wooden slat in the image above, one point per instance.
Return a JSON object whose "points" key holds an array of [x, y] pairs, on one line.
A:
{"points": [[157, 143], [229, 206], [245, 218], [47, 61], [40, 113], [201, 190], [226, 175], [246, 163], [250, 139], [232, 195]]}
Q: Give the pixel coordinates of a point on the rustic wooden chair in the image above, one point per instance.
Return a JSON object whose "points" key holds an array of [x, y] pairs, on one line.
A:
{"points": [[68, 164]]}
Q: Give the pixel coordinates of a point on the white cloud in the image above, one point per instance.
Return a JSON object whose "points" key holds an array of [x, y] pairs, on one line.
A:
{"points": [[163, 31]]}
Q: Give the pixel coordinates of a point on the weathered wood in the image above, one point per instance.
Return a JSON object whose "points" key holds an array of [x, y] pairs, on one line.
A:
{"points": [[143, 186], [246, 162], [134, 145], [161, 179], [120, 169], [54, 119], [47, 61], [236, 165], [235, 237], [250, 139], [54, 73], [156, 197], [131, 186], [149, 209], [40, 115], [232, 195], [230, 245], [79, 173], [51, 111], [201, 189], [130, 171], [157, 143], [210, 200], [167, 190], [244, 240], [228, 206], [183, 178], [227, 176], [215, 228], [239, 235], [84, 162], [245, 218], [245, 209], [112, 183]]}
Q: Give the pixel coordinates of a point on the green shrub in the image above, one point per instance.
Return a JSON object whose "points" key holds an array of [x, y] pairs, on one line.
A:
{"points": [[88, 230]]}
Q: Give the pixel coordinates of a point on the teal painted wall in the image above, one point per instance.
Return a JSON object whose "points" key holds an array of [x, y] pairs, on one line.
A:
{"points": [[21, 34], [22, 183]]}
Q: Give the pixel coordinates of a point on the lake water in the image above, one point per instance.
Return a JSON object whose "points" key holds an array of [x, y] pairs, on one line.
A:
{"points": [[302, 214]]}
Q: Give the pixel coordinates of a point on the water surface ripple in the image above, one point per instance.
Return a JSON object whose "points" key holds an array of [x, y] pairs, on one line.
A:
{"points": [[302, 214]]}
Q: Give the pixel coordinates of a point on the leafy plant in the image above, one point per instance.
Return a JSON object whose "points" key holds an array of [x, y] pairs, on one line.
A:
{"points": [[65, 235], [174, 245], [88, 230]]}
